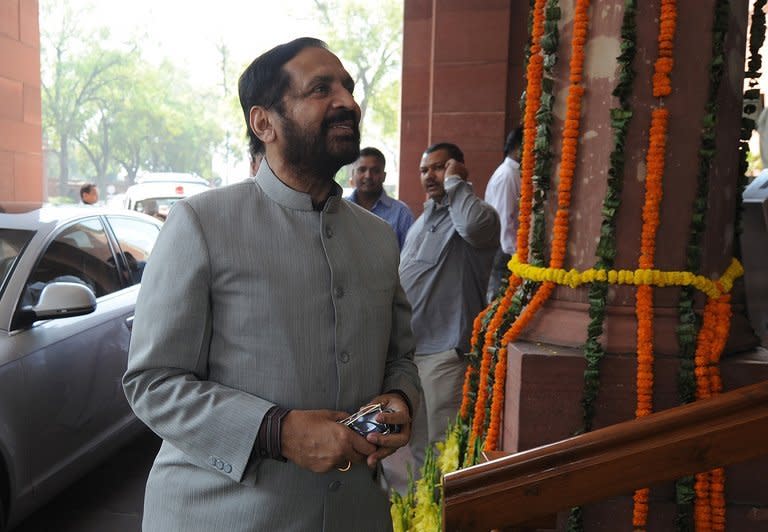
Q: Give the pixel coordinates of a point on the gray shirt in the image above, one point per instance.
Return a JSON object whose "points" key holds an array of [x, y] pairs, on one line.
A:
{"points": [[445, 265], [253, 299]]}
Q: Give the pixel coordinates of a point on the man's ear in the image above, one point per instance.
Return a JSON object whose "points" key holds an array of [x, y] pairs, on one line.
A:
{"points": [[261, 124]]}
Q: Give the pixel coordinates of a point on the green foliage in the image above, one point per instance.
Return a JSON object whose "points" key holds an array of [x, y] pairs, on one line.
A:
{"points": [[107, 110], [688, 325], [606, 247]]}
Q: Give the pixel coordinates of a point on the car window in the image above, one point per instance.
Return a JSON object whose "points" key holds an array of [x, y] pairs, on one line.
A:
{"points": [[80, 253], [12, 242], [136, 239]]}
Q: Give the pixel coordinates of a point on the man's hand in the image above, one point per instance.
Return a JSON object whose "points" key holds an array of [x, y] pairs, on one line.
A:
{"points": [[313, 439], [454, 167], [388, 444]]}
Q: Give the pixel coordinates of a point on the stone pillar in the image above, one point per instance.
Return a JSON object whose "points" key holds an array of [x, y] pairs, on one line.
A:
{"points": [[563, 320], [463, 74], [545, 368], [21, 159]]}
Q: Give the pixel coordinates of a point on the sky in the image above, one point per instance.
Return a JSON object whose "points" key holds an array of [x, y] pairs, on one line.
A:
{"points": [[189, 32]]}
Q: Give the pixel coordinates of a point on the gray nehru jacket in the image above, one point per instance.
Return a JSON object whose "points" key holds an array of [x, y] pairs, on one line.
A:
{"points": [[445, 265], [252, 299]]}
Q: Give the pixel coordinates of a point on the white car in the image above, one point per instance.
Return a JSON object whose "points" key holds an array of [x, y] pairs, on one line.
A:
{"points": [[155, 193], [69, 278]]}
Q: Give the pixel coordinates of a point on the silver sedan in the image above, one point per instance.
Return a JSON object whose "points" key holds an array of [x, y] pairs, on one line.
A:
{"points": [[69, 278]]}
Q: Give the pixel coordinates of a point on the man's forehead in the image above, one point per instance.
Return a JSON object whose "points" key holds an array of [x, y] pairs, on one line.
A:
{"points": [[437, 155], [314, 61], [368, 160]]}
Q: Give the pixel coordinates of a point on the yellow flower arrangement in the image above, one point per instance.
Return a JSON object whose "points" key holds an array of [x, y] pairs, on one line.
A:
{"points": [[638, 277], [448, 457]]}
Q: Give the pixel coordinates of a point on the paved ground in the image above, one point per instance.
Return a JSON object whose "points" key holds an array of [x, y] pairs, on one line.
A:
{"points": [[109, 499]]}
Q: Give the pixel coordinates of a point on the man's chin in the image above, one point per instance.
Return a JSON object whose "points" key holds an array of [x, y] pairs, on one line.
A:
{"points": [[346, 151], [435, 193]]}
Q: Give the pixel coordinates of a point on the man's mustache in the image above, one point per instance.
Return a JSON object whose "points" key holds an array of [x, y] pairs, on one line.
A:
{"points": [[340, 116]]}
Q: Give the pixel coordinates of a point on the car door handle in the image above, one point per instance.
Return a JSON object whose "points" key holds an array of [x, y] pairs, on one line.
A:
{"points": [[129, 323]]}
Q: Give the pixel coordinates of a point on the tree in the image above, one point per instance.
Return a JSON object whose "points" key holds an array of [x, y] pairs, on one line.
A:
{"points": [[107, 108], [96, 140], [74, 71], [164, 124]]}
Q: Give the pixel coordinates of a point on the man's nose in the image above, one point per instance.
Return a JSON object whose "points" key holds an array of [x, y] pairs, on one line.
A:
{"points": [[345, 99]]}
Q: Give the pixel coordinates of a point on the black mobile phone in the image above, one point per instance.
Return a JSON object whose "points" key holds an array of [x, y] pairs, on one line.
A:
{"points": [[364, 421]]}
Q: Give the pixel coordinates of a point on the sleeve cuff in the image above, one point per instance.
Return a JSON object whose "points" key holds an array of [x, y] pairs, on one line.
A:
{"points": [[268, 444]]}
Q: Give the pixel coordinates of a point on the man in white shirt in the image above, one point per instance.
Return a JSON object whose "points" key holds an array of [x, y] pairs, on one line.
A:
{"points": [[503, 193]]}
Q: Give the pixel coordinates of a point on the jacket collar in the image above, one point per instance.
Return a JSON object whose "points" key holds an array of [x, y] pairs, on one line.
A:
{"points": [[284, 195]]}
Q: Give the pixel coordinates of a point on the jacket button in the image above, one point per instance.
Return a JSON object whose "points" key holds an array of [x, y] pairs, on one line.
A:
{"points": [[219, 465], [334, 486], [328, 231], [339, 292], [344, 357], [227, 468]]}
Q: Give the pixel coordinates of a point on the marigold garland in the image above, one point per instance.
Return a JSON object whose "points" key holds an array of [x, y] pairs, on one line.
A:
{"points": [[709, 506], [688, 320], [655, 160], [534, 74], [644, 307], [662, 86], [477, 326], [639, 277], [525, 317], [561, 225]]}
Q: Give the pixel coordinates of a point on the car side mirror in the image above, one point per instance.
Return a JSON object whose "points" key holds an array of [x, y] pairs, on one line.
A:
{"points": [[62, 300]]}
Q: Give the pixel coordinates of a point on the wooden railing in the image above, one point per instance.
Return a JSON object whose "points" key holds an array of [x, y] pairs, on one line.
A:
{"points": [[529, 486]]}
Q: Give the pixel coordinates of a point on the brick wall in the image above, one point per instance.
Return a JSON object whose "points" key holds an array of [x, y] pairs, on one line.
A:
{"points": [[462, 80], [21, 166]]}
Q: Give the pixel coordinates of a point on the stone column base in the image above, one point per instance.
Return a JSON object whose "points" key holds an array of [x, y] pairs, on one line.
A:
{"points": [[543, 405]]}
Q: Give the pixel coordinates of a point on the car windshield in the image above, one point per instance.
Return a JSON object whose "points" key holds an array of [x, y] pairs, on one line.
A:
{"points": [[12, 243], [156, 206]]}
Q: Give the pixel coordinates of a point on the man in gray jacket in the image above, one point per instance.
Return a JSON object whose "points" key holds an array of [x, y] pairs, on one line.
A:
{"points": [[269, 311], [445, 265]]}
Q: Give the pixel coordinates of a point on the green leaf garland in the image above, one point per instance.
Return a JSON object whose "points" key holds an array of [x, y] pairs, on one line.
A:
{"points": [[687, 329], [606, 247]]}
